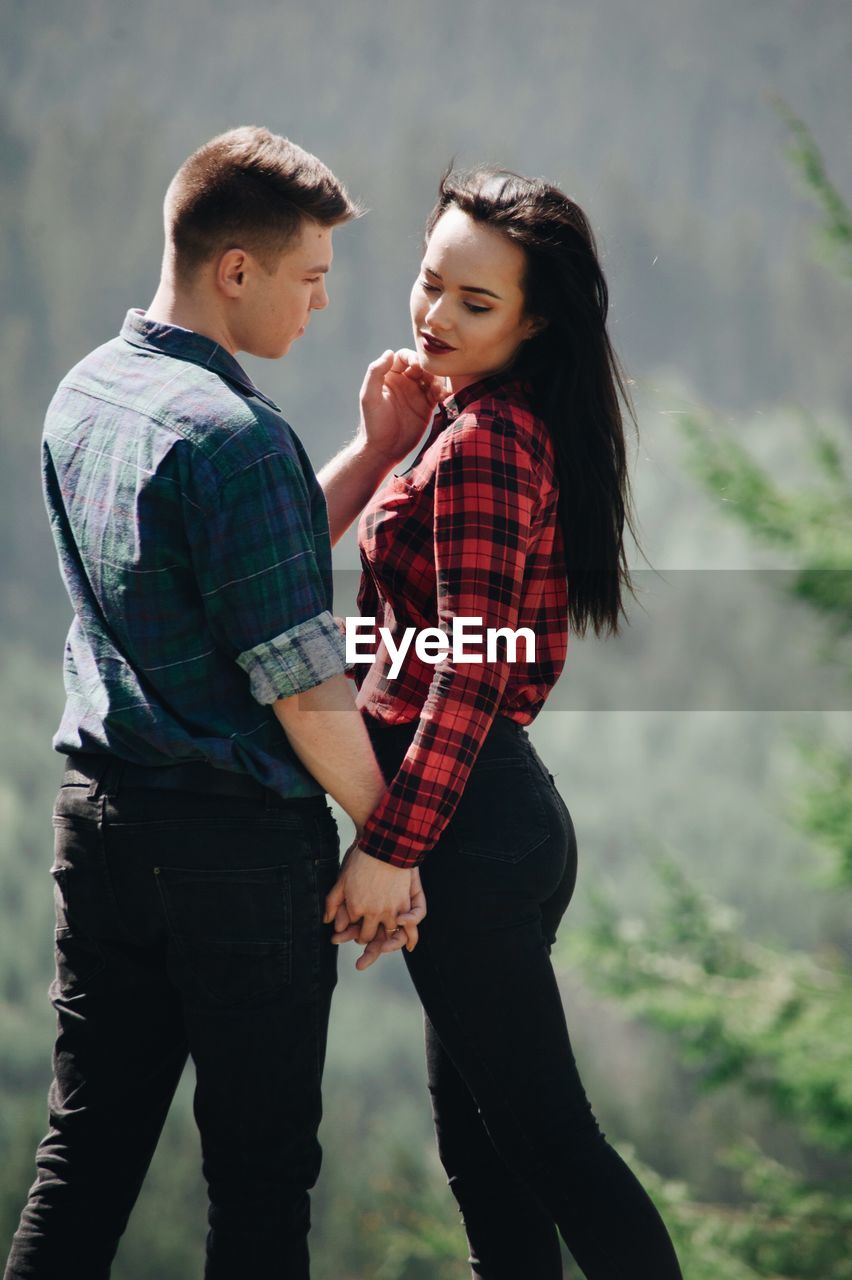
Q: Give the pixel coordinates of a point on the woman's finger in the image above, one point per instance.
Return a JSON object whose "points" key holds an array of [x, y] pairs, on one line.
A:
{"points": [[383, 944], [395, 942], [333, 901], [368, 956], [372, 951], [345, 935]]}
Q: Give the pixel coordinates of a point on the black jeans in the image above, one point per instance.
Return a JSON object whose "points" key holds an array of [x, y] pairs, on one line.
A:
{"points": [[521, 1147], [187, 923]]}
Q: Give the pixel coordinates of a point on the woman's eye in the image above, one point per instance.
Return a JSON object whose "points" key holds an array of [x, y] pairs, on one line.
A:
{"points": [[433, 288]]}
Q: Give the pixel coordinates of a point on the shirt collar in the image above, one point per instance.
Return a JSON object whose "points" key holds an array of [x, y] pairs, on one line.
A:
{"points": [[508, 382], [186, 344]]}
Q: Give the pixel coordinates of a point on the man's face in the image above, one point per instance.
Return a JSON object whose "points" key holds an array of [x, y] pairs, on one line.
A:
{"points": [[275, 308]]}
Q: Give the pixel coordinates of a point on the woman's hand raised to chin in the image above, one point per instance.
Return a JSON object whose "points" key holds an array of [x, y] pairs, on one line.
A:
{"points": [[398, 398]]}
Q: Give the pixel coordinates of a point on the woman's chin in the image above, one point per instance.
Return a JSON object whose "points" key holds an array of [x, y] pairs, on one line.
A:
{"points": [[441, 366]]}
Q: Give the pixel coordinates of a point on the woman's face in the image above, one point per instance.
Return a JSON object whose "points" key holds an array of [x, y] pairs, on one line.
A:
{"points": [[467, 305]]}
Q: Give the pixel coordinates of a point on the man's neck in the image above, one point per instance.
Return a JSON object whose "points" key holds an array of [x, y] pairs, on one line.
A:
{"points": [[171, 305]]}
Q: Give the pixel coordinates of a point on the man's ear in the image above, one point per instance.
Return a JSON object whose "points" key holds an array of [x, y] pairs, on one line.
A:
{"points": [[231, 272]]}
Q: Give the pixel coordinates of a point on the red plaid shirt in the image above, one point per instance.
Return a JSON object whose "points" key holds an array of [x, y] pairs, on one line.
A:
{"points": [[470, 530]]}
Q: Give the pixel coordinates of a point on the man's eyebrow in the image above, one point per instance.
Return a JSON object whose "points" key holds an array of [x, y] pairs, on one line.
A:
{"points": [[321, 270], [466, 288]]}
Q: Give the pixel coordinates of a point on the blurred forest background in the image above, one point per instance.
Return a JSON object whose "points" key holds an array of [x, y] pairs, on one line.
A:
{"points": [[705, 958]]}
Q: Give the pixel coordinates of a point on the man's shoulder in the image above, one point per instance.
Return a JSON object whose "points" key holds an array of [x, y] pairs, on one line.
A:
{"points": [[230, 428], [222, 423]]}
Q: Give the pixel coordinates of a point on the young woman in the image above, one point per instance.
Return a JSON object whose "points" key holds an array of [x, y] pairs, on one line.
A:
{"points": [[512, 515]]}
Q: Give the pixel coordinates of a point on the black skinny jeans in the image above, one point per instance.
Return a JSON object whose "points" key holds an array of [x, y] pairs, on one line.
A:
{"points": [[521, 1147], [187, 923]]}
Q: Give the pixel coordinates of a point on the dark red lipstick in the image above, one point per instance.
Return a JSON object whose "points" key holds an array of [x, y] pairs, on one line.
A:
{"points": [[435, 346]]}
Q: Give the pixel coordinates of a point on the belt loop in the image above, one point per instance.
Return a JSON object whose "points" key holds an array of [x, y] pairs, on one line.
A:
{"points": [[108, 779], [99, 768]]}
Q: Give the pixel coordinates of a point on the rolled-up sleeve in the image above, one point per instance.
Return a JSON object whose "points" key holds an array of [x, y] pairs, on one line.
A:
{"points": [[263, 571], [306, 655]]}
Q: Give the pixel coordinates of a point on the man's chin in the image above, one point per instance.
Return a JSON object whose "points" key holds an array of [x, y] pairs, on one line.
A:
{"points": [[273, 353]]}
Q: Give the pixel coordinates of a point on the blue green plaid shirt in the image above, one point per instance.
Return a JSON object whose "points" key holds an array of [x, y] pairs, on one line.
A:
{"points": [[193, 540]]}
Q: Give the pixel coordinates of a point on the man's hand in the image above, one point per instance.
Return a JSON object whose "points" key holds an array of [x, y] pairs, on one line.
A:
{"points": [[398, 398], [370, 892], [406, 935]]}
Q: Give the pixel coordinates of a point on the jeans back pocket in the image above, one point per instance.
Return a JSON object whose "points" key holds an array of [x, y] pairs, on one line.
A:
{"points": [[500, 815], [232, 930]]}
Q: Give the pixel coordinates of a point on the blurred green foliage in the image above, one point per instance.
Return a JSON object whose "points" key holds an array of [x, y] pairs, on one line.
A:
{"points": [[769, 1021]]}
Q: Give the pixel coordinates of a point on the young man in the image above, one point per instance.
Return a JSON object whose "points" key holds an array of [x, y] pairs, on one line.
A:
{"points": [[207, 713]]}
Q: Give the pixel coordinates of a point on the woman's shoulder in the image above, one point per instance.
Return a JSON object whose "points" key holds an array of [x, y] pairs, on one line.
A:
{"points": [[493, 411]]}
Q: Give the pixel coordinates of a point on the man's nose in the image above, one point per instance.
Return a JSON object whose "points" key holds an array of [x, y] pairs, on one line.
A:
{"points": [[319, 298]]}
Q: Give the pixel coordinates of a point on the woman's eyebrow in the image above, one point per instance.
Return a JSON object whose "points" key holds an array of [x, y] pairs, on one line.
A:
{"points": [[465, 288]]}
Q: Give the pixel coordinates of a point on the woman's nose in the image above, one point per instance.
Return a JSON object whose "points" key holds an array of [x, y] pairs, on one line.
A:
{"points": [[437, 315]]}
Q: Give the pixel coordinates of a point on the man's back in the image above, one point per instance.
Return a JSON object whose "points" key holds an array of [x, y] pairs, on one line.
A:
{"points": [[178, 498], [193, 852], [193, 539]]}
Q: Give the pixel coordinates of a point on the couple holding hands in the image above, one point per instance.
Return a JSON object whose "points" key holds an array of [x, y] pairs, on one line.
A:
{"points": [[210, 710]]}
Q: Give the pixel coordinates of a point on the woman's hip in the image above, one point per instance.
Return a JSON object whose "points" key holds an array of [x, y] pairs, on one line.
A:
{"points": [[511, 834]]}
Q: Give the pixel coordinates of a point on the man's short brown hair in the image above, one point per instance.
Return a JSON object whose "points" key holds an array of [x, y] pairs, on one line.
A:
{"points": [[248, 189]]}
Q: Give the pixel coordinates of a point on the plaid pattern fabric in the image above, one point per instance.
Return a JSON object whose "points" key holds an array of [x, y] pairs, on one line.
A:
{"points": [[469, 531], [193, 539]]}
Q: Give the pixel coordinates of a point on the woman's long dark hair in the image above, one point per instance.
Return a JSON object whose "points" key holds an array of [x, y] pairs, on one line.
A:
{"points": [[575, 372]]}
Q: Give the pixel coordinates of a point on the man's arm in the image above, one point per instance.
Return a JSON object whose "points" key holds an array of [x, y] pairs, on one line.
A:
{"points": [[266, 599], [397, 401], [327, 733], [348, 481]]}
